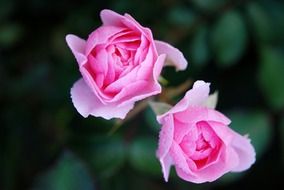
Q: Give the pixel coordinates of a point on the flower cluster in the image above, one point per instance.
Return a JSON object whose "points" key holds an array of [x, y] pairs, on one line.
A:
{"points": [[120, 63]]}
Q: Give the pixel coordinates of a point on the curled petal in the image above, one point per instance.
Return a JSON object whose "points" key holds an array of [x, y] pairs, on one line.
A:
{"points": [[245, 151], [188, 177], [214, 115], [166, 163], [87, 103], [174, 56], [158, 67], [194, 97], [77, 46], [166, 137], [112, 18]]}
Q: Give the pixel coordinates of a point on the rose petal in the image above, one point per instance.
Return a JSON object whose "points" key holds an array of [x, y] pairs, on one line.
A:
{"points": [[196, 114], [122, 82], [89, 79], [166, 163], [142, 29], [179, 158], [188, 177], [101, 35], [142, 50], [226, 161], [166, 136], [151, 87], [214, 115], [158, 67], [183, 129], [222, 131], [192, 115], [194, 97], [77, 46], [174, 56], [86, 103], [245, 151], [165, 141], [111, 18]]}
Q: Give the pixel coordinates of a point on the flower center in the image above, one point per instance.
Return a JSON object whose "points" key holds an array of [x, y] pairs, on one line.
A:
{"points": [[114, 58], [201, 144]]}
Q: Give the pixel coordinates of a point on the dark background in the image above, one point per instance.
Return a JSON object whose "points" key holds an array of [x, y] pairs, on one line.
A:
{"points": [[45, 144]]}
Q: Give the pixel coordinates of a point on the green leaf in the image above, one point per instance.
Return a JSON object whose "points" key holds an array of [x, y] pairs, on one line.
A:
{"points": [[6, 8], [282, 137], [271, 76], [181, 16], [230, 177], [10, 34], [199, 49], [260, 20], [151, 120], [256, 124], [229, 38], [208, 5], [143, 156], [105, 154], [69, 173]]}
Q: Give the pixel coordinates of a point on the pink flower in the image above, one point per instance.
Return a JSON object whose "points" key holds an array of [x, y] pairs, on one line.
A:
{"points": [[198, 142], [120, 63]]}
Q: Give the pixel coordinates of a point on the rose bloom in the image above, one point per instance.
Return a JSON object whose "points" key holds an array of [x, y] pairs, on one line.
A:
{"points": [[198, 142], [120, 63]]}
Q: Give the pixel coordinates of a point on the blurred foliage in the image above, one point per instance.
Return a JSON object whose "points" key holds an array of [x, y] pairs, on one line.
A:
{"points": [[141, 156], [68, 173], [271, 76], [45, 144], [230, 29]]}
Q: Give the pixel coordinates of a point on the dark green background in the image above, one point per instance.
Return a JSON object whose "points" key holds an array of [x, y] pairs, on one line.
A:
{"points": [[45, 144]]}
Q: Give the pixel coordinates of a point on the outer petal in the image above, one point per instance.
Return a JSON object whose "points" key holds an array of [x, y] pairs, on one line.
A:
{"points": [[77, 46], [165, 141], [195, 114], [146, 31], [182, 130], [112, 18], [166, 164], [87, 103], [188, 177], [158, 67], [194, 97], [174, 56], [214, 115], [179, 158], [240, 144], [166, 137], [245, 151]]}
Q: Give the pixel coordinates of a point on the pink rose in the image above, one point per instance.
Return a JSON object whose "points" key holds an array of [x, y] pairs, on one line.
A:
{"points": [[198, 142], [120, 63]]}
